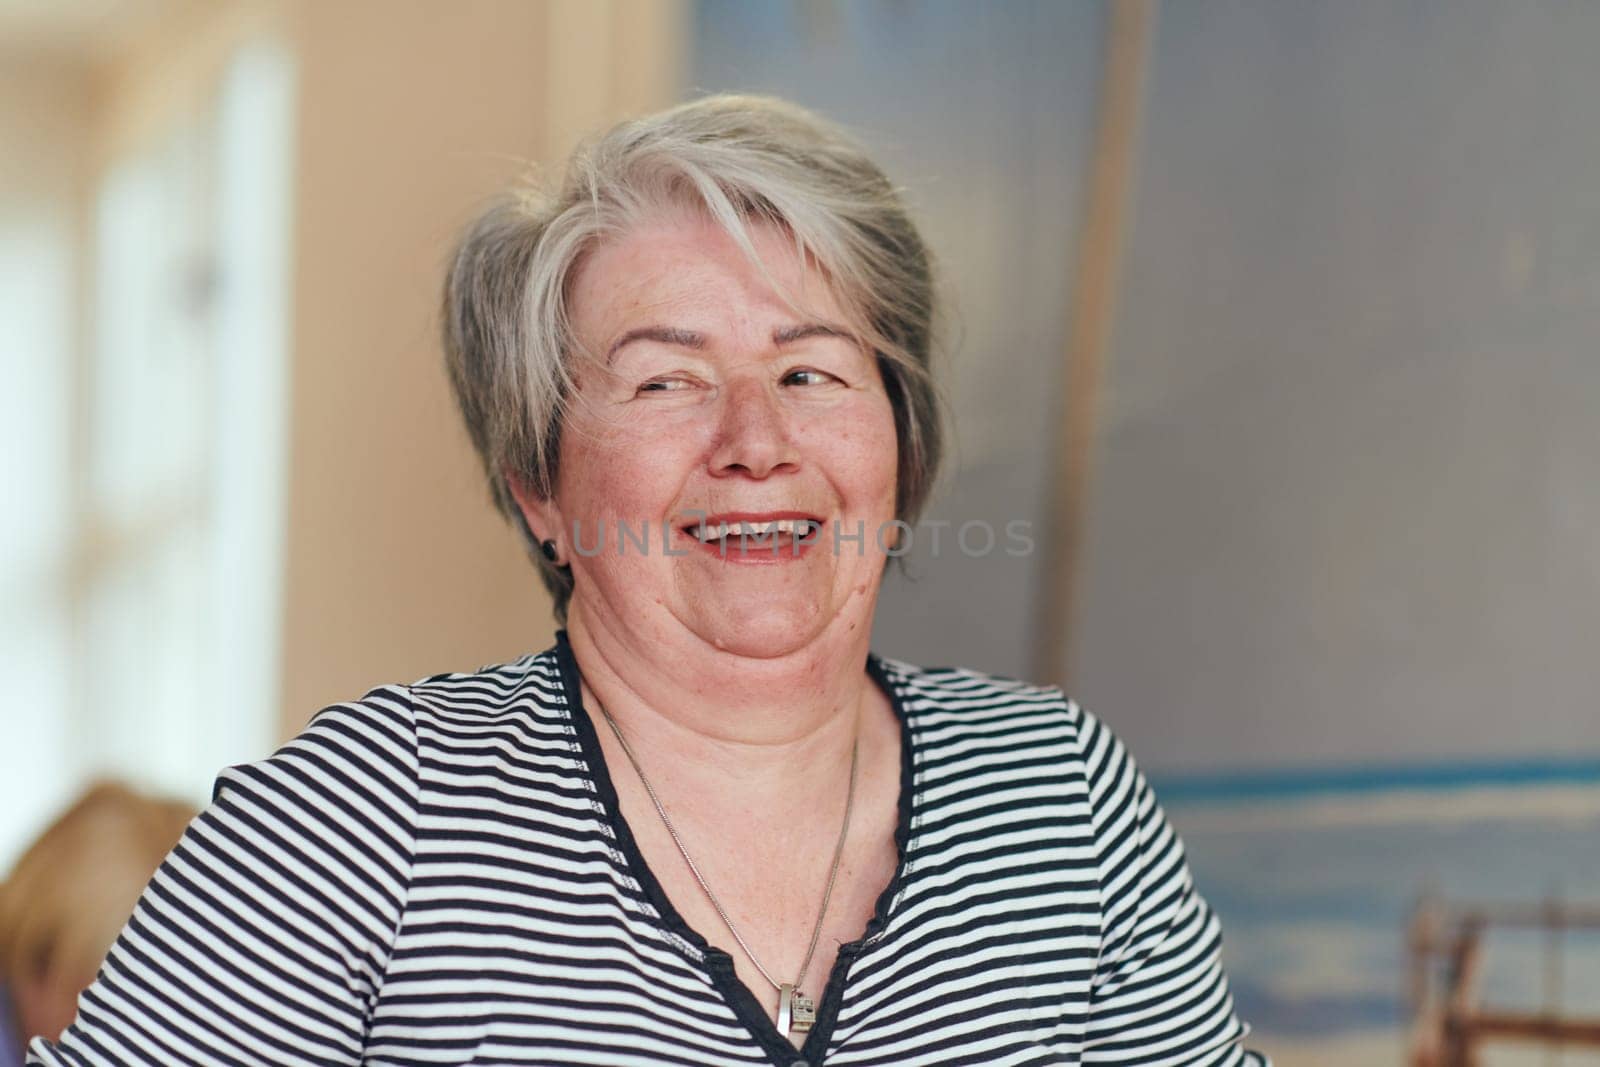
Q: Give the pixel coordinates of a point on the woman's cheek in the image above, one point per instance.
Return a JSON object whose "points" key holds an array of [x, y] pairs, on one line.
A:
{"points": [[639, 478]]}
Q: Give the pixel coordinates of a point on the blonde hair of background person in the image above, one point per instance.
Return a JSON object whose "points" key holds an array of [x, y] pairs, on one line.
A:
{"points": [[709, 826], [71, 891]]}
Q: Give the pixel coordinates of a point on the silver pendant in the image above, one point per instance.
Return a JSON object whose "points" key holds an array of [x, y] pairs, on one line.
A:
{"points": [[796, 1012]]}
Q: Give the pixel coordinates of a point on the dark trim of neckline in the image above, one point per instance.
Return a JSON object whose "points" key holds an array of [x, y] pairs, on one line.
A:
{"points": [[718, 963]]}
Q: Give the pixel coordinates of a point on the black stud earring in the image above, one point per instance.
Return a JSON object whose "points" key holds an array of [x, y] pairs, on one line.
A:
{"points": [[549, 550]]}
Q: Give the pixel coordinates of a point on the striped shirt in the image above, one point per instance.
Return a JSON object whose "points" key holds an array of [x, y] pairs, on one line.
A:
{"points": [[439, 874]]}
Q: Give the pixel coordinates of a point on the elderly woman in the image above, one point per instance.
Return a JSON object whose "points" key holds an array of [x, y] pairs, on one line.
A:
{"points": [[708, 826]]}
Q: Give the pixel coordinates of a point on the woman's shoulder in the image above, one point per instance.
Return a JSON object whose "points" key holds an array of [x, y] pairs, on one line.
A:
{"points": [[389, 725], [487, 692], [532, 681], [955, 696]]}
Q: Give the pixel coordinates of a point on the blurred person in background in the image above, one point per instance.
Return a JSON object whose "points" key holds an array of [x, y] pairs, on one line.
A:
{"points": [[67, 897], [709, 826]]}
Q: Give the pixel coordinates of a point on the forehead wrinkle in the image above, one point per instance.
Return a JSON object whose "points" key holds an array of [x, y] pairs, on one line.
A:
{"points": [[658, 293]]}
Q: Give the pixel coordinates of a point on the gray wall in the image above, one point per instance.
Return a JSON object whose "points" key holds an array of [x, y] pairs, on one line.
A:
{"points": [[1348, 495]]}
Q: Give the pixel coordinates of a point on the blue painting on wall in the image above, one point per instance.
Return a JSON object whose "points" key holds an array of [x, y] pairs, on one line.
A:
{"points": [[1317, 877]]}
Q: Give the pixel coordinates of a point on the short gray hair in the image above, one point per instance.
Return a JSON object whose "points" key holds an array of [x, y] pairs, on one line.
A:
{"points": [[508, 341]]}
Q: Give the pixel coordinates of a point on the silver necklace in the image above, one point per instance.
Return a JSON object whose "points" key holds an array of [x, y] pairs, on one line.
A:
{"points": [[796, 1011]]}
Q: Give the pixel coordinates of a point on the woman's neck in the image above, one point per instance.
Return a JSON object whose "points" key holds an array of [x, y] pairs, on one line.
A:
{"points": [[777, 723]]}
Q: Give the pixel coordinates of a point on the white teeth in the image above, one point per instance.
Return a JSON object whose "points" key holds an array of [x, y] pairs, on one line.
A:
{"points": [[716, 532]]}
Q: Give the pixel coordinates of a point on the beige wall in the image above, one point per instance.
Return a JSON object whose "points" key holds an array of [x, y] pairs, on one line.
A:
{"points": [[412, 114], [43, 121]]}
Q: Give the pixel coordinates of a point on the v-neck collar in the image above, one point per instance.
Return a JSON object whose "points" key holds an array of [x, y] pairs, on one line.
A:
{"points": [[718, 963]]}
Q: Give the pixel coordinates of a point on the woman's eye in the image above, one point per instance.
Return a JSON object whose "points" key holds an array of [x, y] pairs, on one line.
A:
{"points": [[808, 376], [663, 385]]}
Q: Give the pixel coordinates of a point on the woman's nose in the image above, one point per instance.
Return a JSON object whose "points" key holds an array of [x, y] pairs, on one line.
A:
{"points": [[752, 438]]}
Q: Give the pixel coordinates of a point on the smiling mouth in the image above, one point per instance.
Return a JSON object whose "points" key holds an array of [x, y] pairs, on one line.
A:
{"points": [[787, 535]]}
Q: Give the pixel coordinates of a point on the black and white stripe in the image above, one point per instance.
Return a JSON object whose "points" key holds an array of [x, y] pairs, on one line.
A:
{"points": [[438, 874]]}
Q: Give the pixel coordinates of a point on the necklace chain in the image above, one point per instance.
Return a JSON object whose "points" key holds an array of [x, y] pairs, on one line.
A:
{"points": [[672, 831]]}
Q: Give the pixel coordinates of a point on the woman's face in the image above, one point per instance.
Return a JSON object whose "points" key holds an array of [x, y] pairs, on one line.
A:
{"points": [[714, 401]]}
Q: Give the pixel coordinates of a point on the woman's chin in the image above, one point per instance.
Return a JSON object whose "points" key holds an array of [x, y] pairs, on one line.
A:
{"points": [[760, 634]]}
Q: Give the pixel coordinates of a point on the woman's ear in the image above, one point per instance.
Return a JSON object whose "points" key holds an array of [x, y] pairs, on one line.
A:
{"points": [[539, 512]]}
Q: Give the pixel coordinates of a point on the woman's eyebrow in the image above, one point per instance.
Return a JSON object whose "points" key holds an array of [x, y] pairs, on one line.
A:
{"points": [[674, 335], [790, 334], [667, 335]]}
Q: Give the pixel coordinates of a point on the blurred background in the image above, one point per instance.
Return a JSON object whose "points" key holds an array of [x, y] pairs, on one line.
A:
{"points": [[1279, 320]]}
